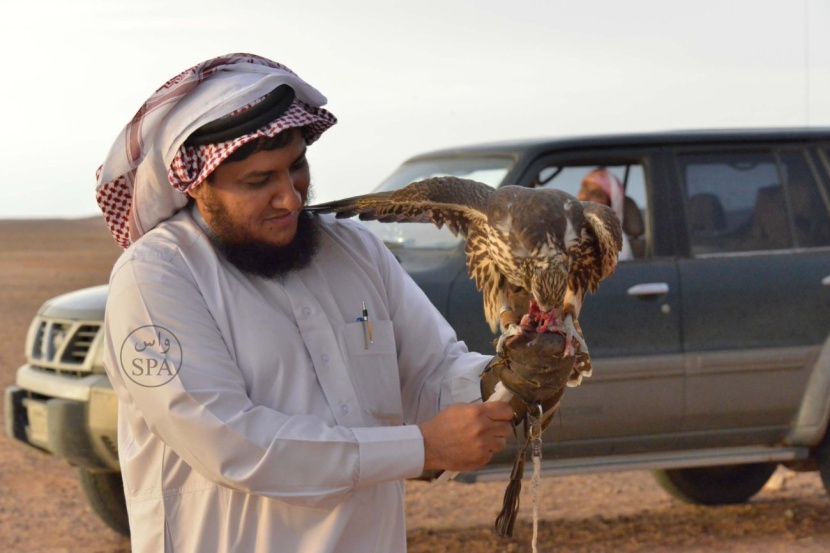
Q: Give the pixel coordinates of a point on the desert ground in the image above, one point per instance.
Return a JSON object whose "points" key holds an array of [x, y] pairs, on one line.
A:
{"points": [[42, 509]]}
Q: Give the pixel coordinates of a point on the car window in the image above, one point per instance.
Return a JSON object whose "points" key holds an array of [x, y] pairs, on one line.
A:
{"points": [[631, 176], [811, 222], [751, 201]]}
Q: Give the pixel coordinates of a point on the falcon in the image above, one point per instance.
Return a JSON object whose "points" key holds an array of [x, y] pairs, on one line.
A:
{"points": [[543, 245]]}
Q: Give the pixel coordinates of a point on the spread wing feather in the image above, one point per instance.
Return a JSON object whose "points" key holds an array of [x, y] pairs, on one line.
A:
{"points": [[603, 223], [459, 204], [599, 248], [456, 203]]}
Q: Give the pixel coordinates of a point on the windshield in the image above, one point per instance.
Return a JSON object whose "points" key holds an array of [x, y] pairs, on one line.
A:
{"points": [[490, 170]]}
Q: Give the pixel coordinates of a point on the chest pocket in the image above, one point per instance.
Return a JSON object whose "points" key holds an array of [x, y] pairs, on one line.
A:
{"points": [[374, 372]]}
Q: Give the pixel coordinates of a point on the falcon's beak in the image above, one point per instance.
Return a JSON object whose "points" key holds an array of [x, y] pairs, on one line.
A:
{"points": [[549, 286]]}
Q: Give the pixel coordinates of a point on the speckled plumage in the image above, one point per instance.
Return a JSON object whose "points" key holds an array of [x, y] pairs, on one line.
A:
{"points": [[543, 241]]}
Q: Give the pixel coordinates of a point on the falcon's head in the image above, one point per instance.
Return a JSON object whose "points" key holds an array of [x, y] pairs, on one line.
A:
{"points": [[547, 285], [536, 257]]}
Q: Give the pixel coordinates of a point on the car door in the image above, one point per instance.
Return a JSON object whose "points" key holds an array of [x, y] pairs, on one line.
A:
{"points": [[754, 307], [632, 325]]}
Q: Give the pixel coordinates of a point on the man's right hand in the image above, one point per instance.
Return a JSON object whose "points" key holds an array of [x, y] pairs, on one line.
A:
{"points": [[464, 437]]}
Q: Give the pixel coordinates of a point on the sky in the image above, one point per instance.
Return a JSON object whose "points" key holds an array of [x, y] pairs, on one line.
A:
{"points": [[403, 77]]}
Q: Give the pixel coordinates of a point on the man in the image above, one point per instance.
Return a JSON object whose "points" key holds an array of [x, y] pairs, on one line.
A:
{"points": [[278, 374], [602, 187]]}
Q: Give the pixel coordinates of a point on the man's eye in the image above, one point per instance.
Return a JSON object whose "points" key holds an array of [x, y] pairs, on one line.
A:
{"points": [[257, 184], [300, 163]]}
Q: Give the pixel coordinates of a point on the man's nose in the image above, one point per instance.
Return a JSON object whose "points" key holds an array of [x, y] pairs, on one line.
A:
{"points": [[286, 196]]}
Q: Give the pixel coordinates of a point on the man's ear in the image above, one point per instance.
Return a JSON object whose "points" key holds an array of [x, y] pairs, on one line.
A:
{"points": [[198, 191]]}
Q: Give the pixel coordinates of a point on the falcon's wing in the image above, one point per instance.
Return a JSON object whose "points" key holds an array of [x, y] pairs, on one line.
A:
{"points": [[599, 248], [606, 228], [459, 204], [593, 259], [489, 279]]}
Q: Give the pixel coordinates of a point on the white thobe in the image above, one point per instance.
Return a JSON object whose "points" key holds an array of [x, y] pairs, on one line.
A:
{"points": [[252, 416]]}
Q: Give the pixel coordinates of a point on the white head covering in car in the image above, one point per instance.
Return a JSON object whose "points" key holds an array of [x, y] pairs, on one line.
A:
{"points": [[149, 169]]}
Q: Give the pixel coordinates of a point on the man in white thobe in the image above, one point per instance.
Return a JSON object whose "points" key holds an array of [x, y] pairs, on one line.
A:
{"points": [[278, 374]]}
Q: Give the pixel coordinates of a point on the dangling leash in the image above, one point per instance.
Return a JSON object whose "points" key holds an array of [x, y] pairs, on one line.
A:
{"points": [[506, 519]]}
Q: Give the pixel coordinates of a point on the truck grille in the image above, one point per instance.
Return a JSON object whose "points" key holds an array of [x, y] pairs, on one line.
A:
{"points": [[63, 346]]}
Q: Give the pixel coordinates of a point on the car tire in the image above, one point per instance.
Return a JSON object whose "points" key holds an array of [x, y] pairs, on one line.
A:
{"points": [[822, 457], [719, 485], [105, 493]]}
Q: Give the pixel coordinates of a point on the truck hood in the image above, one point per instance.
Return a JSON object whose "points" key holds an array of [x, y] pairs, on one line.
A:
{"points": [[85, 304]]}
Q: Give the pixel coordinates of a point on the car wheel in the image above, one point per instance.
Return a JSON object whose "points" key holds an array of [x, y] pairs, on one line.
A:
{"points": [[721, 485], [822, 457], [105, 494]]}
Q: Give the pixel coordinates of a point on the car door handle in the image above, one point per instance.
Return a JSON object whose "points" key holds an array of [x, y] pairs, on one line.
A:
{"points": [[649, 289], [826, 280]]}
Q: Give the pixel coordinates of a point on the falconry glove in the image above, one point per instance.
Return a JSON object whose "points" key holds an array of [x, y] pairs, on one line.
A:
{"points": [[532, 366]]}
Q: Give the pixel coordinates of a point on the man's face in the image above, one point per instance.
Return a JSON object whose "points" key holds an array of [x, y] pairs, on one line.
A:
{"points": [[592, 191], [258, 199], [254, 210]]}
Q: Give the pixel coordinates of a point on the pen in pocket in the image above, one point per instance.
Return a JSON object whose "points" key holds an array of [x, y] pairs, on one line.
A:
{"points": [[367, 327]]}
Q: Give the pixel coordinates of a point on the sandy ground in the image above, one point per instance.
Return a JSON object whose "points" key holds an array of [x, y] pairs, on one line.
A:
{"points": [[43, 510]]}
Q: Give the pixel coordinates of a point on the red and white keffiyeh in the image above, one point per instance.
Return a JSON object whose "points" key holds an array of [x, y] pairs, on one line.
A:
{"points": [[193, 164], [148, 170]]}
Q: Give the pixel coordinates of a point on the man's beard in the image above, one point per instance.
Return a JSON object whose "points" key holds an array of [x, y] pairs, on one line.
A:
{"points": [[262, 259]]}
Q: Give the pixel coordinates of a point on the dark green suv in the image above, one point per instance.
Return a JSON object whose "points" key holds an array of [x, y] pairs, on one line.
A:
{"points": [[710, 346]]}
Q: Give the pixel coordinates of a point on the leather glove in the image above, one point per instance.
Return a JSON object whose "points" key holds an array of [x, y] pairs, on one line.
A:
{"points": [[534, 368]]}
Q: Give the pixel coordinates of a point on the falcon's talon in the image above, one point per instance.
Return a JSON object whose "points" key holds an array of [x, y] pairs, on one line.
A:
{"points": [[572, 334], [569, 347]]}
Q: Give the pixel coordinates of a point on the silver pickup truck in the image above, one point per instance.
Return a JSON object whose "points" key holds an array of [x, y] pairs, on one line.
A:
{"points": [[710, 347]]}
